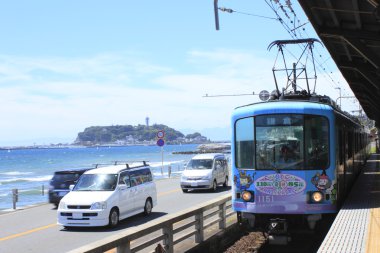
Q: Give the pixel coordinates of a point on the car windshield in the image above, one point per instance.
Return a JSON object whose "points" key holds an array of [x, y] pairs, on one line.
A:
{"points": [[96, 182], [199, 164], [66, 177]]}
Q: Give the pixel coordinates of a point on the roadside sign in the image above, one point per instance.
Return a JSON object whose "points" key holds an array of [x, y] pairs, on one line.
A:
{"points": [[160, 134], [160, 142]]}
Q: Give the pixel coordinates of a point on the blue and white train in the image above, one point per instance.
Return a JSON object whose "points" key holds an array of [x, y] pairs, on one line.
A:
{"points": [[294, 158]]}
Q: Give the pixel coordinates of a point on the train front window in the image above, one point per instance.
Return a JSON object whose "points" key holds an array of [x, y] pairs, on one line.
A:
{"points": [[279, 142], [244, 143], [291, 142]]}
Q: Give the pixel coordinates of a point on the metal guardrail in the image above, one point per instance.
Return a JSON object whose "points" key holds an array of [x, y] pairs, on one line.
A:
{"points": [[170, 229]]}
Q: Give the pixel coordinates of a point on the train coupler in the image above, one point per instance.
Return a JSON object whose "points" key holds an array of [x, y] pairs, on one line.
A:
{"points": [[278, 232]]}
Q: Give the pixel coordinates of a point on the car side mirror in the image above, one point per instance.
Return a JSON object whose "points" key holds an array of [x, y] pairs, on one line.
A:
{"points": [[71, 187]]}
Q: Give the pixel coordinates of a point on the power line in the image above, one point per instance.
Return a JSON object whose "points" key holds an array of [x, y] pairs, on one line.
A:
{"points": [[294, 32], [244, 13]]}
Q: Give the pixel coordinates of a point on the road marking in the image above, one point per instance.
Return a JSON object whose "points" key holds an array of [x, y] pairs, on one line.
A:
{"points": [[52, 225], [27, 232], [168, 192]]}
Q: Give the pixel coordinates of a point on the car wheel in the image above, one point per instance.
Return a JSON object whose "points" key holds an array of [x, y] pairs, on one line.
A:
{"points": [[113, 218], [148, 207], [214, 185], [185, 190], [225, 182]]}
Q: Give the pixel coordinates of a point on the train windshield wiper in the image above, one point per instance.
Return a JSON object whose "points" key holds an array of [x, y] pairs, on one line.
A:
{"points": [[273, 167]]}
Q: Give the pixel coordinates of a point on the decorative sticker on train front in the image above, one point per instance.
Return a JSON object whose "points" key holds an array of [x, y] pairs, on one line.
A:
{"points": [[280, 184], [321, 181], [244, 180]]}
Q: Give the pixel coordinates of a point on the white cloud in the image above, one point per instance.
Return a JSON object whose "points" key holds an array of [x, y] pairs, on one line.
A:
{"points": [[55, 98]]}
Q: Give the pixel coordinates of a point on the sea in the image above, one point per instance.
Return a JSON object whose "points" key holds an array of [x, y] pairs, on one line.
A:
{"points": [[30, 170]]}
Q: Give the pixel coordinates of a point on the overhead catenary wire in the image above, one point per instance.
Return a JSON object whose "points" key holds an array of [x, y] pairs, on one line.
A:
{"points": [[320, 66], [230, 95], [295, 32], [228, 10], [292, 33]]}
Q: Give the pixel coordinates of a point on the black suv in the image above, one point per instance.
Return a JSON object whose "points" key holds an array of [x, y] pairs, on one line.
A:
{"points": [[60, 183]]}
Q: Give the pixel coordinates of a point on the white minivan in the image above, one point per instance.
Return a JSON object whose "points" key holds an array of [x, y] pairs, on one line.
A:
{"points": [[106, 195], [205, 171]]}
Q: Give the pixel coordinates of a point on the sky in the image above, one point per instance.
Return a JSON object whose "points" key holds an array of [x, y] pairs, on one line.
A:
{"points": [[67, 65]]}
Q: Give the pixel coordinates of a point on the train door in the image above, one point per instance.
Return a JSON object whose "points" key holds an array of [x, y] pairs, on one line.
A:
{"points": [[341, 164], [345, 162]]}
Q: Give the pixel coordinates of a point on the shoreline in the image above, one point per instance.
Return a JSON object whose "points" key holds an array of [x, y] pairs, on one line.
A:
{"points": [[67, 146]]}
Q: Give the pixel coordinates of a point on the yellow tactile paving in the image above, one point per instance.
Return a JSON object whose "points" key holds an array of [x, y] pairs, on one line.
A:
{"points": [[373, 241], [356, 228]]}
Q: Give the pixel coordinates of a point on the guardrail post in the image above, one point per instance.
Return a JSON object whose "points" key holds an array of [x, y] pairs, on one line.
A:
{"points": [[15, 197], [124, 248], [222, 216], [199, 235], [168, 242]]}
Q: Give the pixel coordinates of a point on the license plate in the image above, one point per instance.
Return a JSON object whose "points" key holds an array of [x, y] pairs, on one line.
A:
{"points": [[194, 184], [77, 215]]}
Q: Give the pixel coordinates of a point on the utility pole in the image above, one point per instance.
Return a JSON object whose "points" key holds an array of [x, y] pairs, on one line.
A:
{"points": [[216, 14]]}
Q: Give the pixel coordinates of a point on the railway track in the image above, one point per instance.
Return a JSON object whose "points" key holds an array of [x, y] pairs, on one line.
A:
{"points": [[302, 240]]}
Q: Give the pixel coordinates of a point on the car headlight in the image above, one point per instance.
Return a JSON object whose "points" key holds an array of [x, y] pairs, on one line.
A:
{"points": [[62, 205], [99, 205], [317, 197], [207, 177], [184, 178]]}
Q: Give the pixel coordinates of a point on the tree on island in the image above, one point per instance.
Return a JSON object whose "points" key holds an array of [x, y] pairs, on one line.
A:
{"points": [[95, 135]]}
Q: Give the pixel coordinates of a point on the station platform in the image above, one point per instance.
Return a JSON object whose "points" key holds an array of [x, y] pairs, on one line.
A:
{"points": [[356, 228]]}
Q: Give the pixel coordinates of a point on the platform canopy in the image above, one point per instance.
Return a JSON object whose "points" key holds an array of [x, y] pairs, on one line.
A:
{"points": [[350, 30]]}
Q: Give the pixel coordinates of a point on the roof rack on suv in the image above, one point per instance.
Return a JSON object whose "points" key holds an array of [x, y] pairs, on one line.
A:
{"points": [[97, 165], [126, 163]]}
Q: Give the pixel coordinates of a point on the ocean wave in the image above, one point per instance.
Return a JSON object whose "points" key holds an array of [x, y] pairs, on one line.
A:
{"points": [[5, 194], [25, 179], [15, 173], [159, 164], [32, 191]]}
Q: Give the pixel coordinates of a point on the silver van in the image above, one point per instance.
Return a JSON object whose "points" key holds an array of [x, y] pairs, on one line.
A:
{"points": [[205, 171]]}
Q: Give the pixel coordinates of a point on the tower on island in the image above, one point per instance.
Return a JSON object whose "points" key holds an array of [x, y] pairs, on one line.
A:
{"points": [[147, 121]]}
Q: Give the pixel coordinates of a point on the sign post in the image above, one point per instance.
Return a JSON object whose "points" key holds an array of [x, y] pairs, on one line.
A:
{"points": [[161, 143]]}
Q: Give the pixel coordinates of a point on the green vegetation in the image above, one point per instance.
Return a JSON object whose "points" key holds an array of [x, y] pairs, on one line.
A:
{"points": [[127, 134]]}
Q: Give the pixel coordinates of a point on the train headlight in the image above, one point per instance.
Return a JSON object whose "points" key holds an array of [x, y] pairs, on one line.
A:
{"points": [[246, 196], [317, 197]]}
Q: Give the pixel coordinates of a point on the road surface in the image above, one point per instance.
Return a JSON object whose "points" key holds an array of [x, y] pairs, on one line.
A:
{"points": [[35, 230]]}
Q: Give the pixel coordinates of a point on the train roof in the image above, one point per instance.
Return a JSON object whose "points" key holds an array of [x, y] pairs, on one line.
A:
{"points": [[316, 104], [282, 106]]}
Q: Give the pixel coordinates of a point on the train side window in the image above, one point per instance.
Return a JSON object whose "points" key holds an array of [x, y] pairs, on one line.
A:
{"points": [[316, 142], [350, 144], [244, 143], [340, 146]]}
